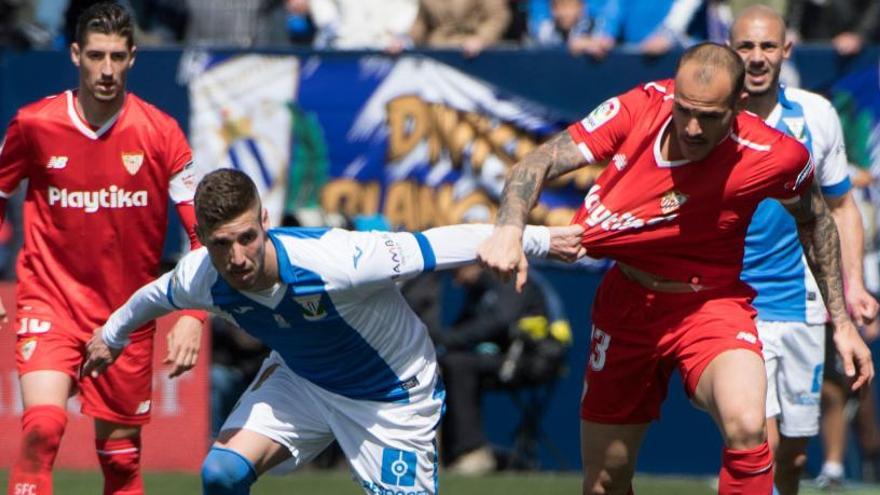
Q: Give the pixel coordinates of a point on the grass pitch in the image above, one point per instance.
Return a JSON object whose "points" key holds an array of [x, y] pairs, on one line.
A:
{"points": [[339, 483]]}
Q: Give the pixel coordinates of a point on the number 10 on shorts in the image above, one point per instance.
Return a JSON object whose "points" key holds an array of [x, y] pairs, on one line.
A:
{"points": [[601, 341]]}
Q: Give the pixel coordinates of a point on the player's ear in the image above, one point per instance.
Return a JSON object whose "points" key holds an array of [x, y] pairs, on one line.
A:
{"points": [[131, 56], [264, 220], [74, 53], [786, 49]]}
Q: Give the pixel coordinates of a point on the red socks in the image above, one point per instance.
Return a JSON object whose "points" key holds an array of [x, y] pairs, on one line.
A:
{"points": [[748, 472], [120, 461], [42, 428]]}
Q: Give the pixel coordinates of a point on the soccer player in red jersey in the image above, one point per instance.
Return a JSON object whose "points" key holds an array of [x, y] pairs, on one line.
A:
{"points": [[101, 165], [686, 172]]}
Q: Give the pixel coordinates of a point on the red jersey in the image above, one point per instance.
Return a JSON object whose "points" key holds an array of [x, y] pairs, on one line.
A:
{"points": [[95, 212], [685, 221]]}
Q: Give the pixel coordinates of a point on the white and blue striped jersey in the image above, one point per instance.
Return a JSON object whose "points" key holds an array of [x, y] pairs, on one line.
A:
{"points": [[336, 316], [774, 263]]}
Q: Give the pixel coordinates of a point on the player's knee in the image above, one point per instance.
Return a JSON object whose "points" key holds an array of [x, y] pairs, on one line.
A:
{"points": [[610, 473], [42, 428], [226, 472], [745, 430]]}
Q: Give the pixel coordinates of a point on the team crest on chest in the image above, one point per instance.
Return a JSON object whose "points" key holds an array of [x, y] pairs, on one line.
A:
{"points": [[796, 126], [133, 161], [312, 307], [672, 201]]}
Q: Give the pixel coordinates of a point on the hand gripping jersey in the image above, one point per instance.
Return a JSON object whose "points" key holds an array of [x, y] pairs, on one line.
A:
{"points": [[774, 263], [685, 221], [337, 317], [96, 206]]}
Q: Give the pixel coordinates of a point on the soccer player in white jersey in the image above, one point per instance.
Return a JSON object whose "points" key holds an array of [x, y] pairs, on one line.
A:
{"points": [[791, 315], [351, 361]]}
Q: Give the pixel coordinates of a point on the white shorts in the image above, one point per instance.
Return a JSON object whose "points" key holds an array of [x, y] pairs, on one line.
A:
{"points": [[390, 447], [794, 353]]}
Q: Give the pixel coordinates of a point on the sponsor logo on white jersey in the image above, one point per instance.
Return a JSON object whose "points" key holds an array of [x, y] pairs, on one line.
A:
{"points": [[672, 201], [92, 201], [143, 407], [133, 161], [748, 337], [602, 114], [312, 309], [57, 162], [599, 214]]}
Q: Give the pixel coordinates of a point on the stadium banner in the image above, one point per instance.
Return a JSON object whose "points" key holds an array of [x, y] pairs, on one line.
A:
{"points": [[177, 438], [240, 118], [410, 139]]}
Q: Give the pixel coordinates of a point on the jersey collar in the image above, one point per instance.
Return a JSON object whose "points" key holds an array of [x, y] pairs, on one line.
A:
{"points": [[84, 128], [782, 103]]}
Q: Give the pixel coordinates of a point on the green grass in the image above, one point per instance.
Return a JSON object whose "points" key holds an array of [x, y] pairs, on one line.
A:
{"points": [[339, 483]]}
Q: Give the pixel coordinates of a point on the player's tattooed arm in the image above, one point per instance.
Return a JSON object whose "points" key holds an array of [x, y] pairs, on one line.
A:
{"points": [[557, 156], [821, 242]]}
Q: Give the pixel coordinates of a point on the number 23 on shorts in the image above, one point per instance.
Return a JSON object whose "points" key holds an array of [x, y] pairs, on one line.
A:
{"points": [[601, 341]]}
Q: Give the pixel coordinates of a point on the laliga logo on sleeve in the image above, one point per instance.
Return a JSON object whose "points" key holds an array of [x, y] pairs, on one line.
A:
{"points": [[602, 114], [133, 161]]}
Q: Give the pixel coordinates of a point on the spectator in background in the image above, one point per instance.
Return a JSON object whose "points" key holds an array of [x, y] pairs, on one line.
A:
{"points": [[477, 351], [286, 22], [839, 407], [471, 25], [847, 24], [672, 31], [628, 22], [569, 25], [364, 24], [226, 23]]}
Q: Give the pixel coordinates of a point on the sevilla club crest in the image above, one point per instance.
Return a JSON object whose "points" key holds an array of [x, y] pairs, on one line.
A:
{"points": [[133, 161]]}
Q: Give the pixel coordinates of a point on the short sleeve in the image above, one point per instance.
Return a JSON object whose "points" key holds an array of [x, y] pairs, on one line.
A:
{"points": [[832, 167], [599, 134], [796, 170], [15, 157]]}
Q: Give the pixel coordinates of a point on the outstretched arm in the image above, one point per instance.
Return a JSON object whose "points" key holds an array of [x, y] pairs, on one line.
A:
{"points": [[148, 303], [821, 243], [502, 251], [377, 257]]}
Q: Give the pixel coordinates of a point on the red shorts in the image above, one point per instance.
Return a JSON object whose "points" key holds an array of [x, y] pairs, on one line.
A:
{"points": [[121, 394], [640, 336]]}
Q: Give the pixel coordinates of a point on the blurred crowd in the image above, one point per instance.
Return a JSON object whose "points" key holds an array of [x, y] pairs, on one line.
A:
{"points": [[588, 27]]}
